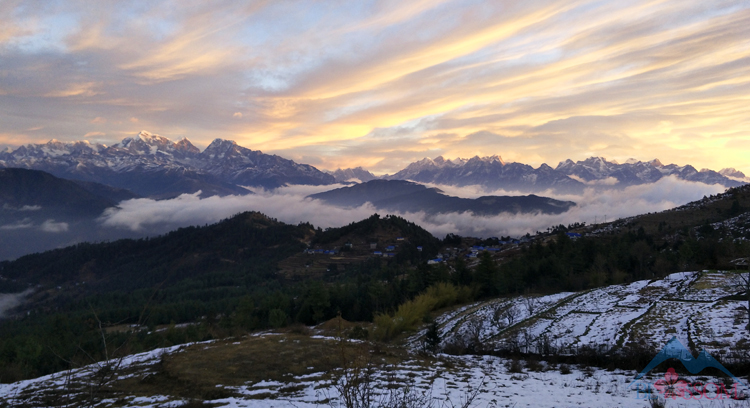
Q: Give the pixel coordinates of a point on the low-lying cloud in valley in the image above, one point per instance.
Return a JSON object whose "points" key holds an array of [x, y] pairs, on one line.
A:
{"points": [[10, 300], [290, 205]]}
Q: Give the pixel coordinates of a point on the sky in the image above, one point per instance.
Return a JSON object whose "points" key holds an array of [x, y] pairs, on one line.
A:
{"points": [[383, 83]]}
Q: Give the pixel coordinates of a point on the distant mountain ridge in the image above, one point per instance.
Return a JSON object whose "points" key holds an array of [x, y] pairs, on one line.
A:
{"points": [[491, 172], [634, 172], [154, 166], [405, 196], [568, 177], [357, 174], [733, 173]]}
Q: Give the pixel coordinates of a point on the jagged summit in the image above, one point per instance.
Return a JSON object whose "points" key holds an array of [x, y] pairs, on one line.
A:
{"points": [[732, 172], [357, 175], [155, 166], [441, 162], [597, 170], [490, 172], [146, 135], [656, 163], [568, 177], [184, 145]]}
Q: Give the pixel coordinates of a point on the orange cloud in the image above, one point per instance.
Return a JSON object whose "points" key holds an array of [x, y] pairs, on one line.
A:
{"points": [[76, 89], [390, 82]]}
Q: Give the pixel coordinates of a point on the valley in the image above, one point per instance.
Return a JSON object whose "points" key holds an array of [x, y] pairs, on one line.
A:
{"points": [[504, 312]]}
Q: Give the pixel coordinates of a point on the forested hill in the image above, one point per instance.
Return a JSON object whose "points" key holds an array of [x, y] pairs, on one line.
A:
{"points": [[248, 272], [249, 242]]}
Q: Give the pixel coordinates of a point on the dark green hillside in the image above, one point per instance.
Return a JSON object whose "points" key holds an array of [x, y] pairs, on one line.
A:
{"points": [[353, 243], [716, 208], [705, 234], [220, 280], [251, 272], [248, 242]]}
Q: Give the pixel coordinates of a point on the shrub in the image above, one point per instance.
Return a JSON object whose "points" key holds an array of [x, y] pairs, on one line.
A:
{"points": [[514, 366], [358, 333], [534, 365], [299, 328], [456, 346], [412, 313]]}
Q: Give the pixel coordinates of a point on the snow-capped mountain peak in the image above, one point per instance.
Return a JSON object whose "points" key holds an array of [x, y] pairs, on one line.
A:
{"points": [[457, 162], [732, 172], [153, 165], [184, 145], [493, 159], [220, 148], [565, 164], [633, 172], [146, 135], [357, 174]]}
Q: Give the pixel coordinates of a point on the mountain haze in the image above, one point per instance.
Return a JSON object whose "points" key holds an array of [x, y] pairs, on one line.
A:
{"points": [[39, 211], [32, 192]]}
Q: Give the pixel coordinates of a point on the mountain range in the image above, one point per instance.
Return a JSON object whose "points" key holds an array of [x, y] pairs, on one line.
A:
{"points": [[404, 196], [597, 170], [568, 177], [490, 172], [154, 166]]}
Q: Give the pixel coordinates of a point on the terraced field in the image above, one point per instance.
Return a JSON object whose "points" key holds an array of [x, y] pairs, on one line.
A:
{"points": [[703, 309]]}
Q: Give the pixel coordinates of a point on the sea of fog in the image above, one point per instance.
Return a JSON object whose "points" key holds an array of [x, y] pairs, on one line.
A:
{"points": [[290, 205]]}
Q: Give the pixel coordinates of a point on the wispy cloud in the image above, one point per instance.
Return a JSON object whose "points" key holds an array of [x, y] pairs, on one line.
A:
{"points": [[53, 226], [49, 225], [383, 83], [10, 300]]}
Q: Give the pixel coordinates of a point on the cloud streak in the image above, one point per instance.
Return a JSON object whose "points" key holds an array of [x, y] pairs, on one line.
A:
{"points": [[290, 205], [383, 83]]}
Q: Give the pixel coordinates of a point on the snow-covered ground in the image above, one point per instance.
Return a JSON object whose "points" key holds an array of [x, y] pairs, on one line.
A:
{"points": [[450, 382], [694, 306], [691, 306]]}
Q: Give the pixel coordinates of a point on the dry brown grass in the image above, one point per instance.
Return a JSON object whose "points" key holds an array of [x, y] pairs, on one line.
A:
{"points": [[195, 372]]}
